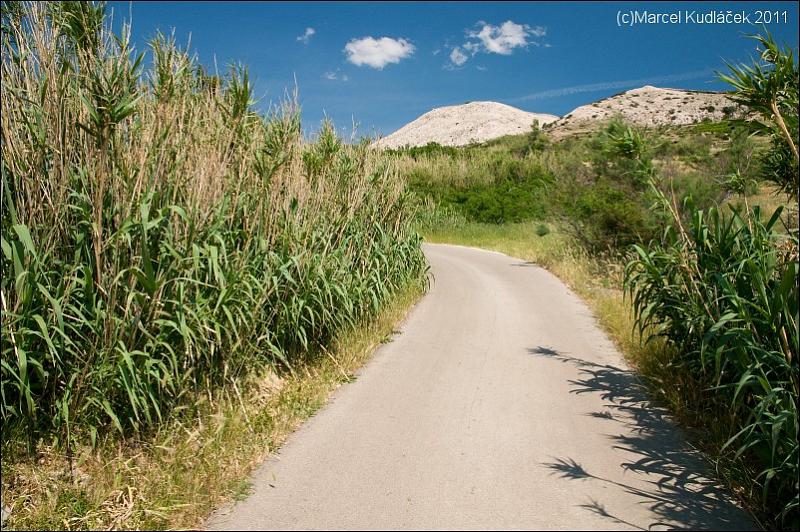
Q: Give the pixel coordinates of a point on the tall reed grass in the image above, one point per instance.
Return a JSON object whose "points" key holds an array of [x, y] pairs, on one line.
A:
{"points": [[724, 292], [160, 238]]}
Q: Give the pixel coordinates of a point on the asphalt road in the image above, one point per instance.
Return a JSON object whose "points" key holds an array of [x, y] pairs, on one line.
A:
{"points": [[499, 405]]}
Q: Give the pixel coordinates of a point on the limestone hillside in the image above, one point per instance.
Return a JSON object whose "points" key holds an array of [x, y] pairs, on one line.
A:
{"points": [[648, 106], [459, 125]]}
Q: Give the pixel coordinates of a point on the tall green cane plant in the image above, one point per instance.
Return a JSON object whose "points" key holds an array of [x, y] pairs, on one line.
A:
{"points": [[769, 87], [722, 288]]}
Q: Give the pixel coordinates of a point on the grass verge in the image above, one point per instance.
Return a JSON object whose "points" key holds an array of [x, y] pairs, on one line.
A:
{"points": [[178, 475], [599, 283]]}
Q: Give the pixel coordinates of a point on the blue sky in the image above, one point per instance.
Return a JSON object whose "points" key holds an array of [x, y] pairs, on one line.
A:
{"points": [[383, 64]]}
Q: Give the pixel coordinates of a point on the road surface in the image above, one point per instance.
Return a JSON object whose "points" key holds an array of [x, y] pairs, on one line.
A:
{"points": [[499, 405]]}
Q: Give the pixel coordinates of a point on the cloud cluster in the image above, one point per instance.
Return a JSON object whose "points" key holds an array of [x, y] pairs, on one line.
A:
{"points": [[503, 40], [305, 37], [377, 53], [483, 38]]}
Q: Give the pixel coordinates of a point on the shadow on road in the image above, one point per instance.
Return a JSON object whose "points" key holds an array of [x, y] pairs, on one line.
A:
{"points": [[680, 495]]}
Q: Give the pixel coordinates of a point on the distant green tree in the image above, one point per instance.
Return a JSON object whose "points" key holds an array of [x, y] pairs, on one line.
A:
{"points": [[537, 141]]}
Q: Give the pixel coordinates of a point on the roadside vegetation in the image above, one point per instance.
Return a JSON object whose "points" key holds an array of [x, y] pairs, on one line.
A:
{"points": [[168, 254], [684, 242]]}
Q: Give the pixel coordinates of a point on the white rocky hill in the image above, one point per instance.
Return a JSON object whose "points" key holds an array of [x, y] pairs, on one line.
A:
{"points": [[459, 125], [649, 106]]}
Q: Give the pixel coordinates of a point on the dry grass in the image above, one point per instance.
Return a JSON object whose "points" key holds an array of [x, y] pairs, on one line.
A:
{"points": [[174, 478], [769, 199]]}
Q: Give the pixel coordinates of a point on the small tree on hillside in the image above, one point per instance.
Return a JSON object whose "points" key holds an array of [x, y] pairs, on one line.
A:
{"points": [[537, 141]]}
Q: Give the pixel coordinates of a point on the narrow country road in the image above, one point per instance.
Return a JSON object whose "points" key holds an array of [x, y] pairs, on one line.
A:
{"points": [[500, 405]]}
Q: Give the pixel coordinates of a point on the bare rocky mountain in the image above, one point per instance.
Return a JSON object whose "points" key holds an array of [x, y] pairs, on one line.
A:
{"points": [[648, 106], [459, 125]]}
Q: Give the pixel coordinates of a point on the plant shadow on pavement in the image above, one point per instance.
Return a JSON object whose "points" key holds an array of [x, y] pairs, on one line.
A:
{"points": [[680, 494]]}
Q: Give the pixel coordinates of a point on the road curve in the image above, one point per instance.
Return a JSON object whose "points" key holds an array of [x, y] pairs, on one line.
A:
{"points": [[499, 405]]}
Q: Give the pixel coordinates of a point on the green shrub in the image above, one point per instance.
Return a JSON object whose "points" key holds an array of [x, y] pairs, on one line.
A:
{"points": [[692, 148], [607, 218], [428, 150], [624, 154], [705, 191], [500, 188]]}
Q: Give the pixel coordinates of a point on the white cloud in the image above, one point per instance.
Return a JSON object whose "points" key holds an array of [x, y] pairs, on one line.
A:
{"points": [[377, 53], [305, 37], [538, 31], [335, 75], [504, 38], [458, 57], [472, 47]]}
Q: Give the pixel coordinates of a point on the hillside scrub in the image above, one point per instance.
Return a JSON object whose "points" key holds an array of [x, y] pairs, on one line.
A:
{"points": [[160, 239], [596, 186]]}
